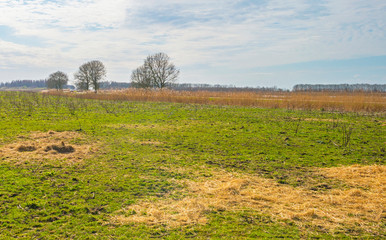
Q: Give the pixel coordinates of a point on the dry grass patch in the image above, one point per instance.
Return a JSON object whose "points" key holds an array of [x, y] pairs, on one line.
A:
{"points": [[371, 177], [43, 146], [331, 210], [331, 101]]}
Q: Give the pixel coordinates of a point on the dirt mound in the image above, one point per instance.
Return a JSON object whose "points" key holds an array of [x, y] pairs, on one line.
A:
{"points": [[62, 148], [351, 208], [24, 148], [39, 146]]}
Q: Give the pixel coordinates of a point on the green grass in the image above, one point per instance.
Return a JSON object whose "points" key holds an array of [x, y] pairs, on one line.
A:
{"points": [[55, 200]]}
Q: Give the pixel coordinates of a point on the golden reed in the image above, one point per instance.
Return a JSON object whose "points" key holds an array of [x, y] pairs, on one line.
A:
{"points": [[329, 101]]}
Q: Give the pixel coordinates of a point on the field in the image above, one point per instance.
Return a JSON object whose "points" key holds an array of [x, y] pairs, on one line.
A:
{"points": [[108, 168]]}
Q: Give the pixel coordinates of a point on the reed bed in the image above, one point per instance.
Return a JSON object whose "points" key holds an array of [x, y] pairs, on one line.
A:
{"points": [[329, 101]]}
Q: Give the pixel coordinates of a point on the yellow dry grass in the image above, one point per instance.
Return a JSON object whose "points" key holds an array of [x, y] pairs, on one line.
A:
{"points": [[331, 101], [373, 176], [44, 146], [359, 207]]}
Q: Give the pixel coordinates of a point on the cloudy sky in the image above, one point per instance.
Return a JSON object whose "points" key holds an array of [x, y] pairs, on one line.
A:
{"points": [[240, 42]]}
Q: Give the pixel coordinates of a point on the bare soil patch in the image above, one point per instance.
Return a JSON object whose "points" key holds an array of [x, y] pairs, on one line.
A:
{"points": [[43, 146], [361, 207]]}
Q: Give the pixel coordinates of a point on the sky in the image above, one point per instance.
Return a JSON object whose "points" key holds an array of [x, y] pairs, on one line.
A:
{"points": [[256, 43]]}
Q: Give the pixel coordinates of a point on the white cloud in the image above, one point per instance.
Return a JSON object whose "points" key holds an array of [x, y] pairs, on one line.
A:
{"points": [[216, 34]]}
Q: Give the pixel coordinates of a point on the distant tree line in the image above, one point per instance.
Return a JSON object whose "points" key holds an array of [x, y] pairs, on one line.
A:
{"points": [[46, 84], [340, 87], [114, 85], [194, 87], [222, 88], [24, 84], [19, 84]]}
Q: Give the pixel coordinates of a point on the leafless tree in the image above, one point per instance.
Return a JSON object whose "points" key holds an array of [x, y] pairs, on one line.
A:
{"points": [[89, 75], [141, 78], [156, 72], [57, 80]]}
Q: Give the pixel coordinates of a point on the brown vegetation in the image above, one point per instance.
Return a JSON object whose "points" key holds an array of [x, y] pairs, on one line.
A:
{"points": [[43, 146], [361, 207], [329, 101]]}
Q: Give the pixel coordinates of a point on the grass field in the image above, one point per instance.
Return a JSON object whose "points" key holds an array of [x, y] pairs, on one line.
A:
{"points": [[73, 168]]}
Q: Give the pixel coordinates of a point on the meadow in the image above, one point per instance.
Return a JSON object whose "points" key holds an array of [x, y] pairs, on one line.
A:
{"points": [[117, 166]]}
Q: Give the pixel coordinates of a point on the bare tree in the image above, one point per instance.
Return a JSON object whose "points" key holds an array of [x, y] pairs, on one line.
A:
{"points": [[89, 75], [82, 78], [141, 78], [156, 72], [57, 80]]}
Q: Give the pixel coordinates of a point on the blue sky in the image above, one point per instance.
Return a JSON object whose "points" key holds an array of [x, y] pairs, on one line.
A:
{"points": [[240, 42]]}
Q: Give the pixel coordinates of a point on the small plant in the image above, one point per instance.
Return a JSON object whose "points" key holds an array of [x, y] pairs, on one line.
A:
{"points": [[335, 123], [72, 108], [109, 108], [297, 126], [346, 135]]}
